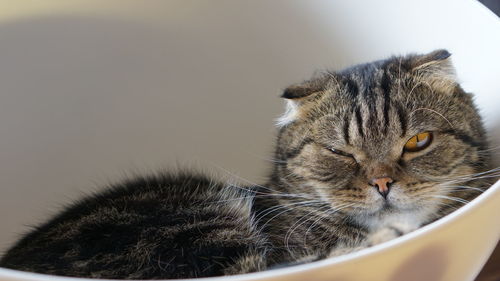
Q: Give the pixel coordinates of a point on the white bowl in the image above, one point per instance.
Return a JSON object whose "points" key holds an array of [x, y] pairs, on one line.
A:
{"points": [[91, 89]]}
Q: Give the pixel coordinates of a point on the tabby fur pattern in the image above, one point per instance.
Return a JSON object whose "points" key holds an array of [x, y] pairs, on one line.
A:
{"points": [[340, 130]]}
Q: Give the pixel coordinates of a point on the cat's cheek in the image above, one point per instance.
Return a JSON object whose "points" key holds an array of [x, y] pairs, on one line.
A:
{"points": [[400, 197], [440, 160], [321, 165]]}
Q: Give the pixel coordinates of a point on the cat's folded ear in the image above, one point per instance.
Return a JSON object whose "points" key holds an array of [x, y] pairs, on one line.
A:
{"points": [[304, 89], [297, 96], [435, 69]]}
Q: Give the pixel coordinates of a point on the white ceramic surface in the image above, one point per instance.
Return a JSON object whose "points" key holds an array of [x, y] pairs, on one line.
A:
{"points": [[91, 88]]}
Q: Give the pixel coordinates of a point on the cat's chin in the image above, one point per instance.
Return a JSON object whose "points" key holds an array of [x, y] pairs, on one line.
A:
{"points": [[388, 214], [383, 209]]}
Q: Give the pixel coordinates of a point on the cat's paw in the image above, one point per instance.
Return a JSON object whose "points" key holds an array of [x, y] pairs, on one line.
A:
{"points": [[388, 232], [343, 251]]}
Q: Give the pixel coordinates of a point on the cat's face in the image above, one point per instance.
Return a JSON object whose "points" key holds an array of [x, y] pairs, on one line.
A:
{"points": [[392, 138]]}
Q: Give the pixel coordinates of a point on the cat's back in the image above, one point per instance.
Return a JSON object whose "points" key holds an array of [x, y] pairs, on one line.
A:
{"points": [[162, 226]]}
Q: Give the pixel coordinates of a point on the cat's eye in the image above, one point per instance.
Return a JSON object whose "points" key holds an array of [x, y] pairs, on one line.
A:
{"points": [[340, 152], [418, 142]]}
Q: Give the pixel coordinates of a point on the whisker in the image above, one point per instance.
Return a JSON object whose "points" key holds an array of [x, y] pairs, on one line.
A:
{"points": [[242, 179], [329, 210], [419, 83], [448, 205], [483, 172], [489, 149], [287, 209], [271, 209], [275, 208], [432, 110], [411, 91], [280, 193], [462, 187], [451, 198], [455, 190], [465, 179], [335, 79], [291, 228], [322, 217], [492, 173], [257, 196]]}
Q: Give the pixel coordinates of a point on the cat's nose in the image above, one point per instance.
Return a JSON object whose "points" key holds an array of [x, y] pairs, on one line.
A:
{"points": [[383, 185]]}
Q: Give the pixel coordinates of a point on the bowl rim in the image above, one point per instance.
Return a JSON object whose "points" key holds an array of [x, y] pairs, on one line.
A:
{"points": [[479, 201], [328, 262]]}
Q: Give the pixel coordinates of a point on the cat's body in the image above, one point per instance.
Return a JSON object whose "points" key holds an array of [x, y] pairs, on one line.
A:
{"points": [[363, 156], [165, 226]]}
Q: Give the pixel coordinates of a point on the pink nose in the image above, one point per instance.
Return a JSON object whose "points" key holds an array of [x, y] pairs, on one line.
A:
{"points": [[382, 184]]}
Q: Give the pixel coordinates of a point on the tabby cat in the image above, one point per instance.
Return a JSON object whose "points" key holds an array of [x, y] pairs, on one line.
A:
{"points": [[363, 155]]}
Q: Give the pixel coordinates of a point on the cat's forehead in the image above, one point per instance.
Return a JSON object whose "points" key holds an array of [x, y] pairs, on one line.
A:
{"points": [[367, 81], [368, 102], [367, 73], [376, 104], [373, 106]]}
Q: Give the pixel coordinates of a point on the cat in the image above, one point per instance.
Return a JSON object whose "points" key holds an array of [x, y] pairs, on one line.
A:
{"points": [[363, 155]]}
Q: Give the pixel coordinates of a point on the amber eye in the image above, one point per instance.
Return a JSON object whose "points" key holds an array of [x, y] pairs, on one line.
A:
{"points": [[418, 142]]}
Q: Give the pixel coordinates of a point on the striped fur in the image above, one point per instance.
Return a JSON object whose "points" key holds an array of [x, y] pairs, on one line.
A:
{"points": [[341, 129]]}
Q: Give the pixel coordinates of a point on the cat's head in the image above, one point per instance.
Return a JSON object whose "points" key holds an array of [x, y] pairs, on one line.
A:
{"points": [[388, 138]]}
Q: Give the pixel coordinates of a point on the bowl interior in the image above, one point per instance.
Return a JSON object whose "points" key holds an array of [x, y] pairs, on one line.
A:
{"points": [[93, 90]]}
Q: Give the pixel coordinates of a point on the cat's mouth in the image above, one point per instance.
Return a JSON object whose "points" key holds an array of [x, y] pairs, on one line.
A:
{"points": [[387, 207]]}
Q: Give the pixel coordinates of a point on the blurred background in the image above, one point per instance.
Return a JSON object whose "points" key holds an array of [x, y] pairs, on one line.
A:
{"points": [[95, 91]]}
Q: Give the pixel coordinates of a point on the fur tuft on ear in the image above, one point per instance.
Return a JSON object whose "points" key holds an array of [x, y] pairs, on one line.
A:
{"points": [[290, 115], [435, 69]]}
